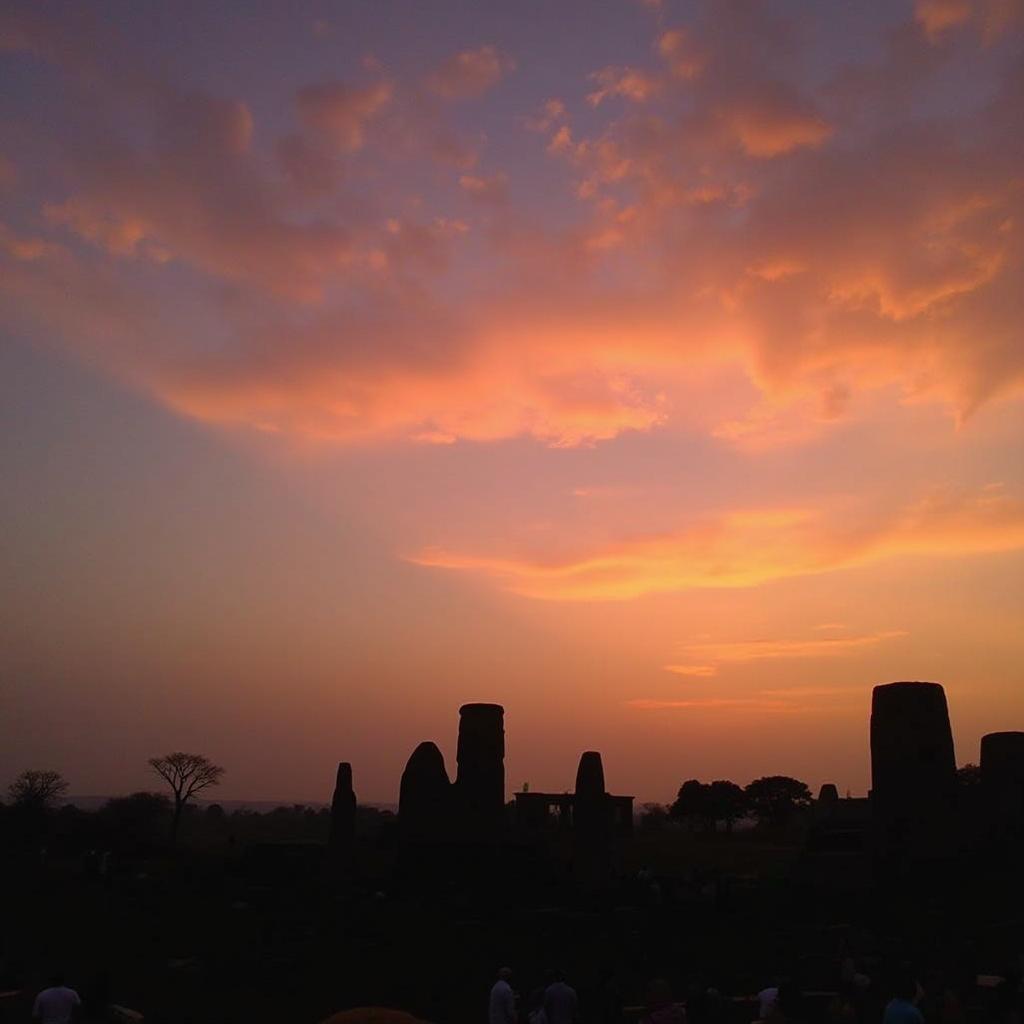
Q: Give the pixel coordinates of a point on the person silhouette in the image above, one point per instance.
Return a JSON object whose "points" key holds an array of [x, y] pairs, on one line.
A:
{"points": [[502, 1004], [56, 1004]]}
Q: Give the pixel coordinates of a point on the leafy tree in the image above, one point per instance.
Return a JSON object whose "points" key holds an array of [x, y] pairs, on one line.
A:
{"points": [[187, 775], [37, 789], [726, 802], [691, 802], [776, 798]]}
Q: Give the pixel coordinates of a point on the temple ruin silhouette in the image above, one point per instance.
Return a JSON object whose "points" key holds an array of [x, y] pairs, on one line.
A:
{"points": [[914, 813]]}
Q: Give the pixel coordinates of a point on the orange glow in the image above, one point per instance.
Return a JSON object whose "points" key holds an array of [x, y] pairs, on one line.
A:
{"points": [[695, 361]]}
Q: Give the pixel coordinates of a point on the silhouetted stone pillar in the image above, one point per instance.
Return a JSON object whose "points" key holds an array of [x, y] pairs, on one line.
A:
{"points": [[592, 819], [828, 794], [1002, 783], [343, 812], [913, 772], [424, 799], [480, 782]]}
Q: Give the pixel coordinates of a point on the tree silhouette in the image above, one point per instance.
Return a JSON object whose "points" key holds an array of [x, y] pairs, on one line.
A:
{"points": [[709, 803], [726, 802], [37, 789], [775, 798], [187, 775], [691, 802]]}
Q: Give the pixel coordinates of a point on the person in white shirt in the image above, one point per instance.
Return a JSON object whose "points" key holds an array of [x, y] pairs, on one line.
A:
{"points": [[502, 1006], [56, 1004]]}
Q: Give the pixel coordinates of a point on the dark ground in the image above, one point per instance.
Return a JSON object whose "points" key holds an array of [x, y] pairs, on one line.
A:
{"points": [[268, 932]]}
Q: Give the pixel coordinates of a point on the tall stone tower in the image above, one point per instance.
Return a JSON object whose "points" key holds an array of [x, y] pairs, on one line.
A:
{"points": [[1002, 783], [913, 772], [480, 781]]}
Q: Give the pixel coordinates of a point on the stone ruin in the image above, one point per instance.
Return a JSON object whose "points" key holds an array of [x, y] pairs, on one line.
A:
{"points": [[343, 813], [431, 809], [913, 772], [1002, 784], [425, 797], [480, 781], [828, 794]]}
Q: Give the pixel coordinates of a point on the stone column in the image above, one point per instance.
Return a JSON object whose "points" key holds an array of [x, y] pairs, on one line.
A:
{"points": [[1002, 783], [592, 820], [480, 781], [343, 812], [913, 772]]}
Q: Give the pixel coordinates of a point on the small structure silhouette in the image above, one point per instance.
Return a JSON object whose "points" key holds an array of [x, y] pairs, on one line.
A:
{"points": [[590, 807], [828, 794]]}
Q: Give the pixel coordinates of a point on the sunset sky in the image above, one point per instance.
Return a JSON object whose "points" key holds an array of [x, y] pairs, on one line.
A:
{"points": [[654, 369]]}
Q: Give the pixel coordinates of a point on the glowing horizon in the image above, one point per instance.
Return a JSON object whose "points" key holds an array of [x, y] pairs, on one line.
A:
{"points": [[652, 369]]}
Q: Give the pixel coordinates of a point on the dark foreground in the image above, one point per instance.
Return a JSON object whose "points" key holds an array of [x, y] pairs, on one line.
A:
{"points": [[272, 933]]}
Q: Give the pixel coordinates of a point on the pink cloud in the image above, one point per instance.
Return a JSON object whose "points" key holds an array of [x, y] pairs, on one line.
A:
{"points": [[470, 73], [342, 113]]}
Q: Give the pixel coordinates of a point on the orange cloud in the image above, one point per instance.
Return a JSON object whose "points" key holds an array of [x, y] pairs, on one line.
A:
{"points": [[765, 130], [492, 189], [935, 16], [628, 83], [791, 700], [470, 74], [684, 59], [341, 112], [743, 549], [710, 655], [734, 219]]}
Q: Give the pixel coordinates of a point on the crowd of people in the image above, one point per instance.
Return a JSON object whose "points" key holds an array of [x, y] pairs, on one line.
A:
{"points": [[906, 1000]]}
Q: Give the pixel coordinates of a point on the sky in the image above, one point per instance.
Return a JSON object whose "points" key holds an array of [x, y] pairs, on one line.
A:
{"points": [[654, 369]]}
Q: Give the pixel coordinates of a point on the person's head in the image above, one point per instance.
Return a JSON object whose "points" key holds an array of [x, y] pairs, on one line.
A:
{"points": [[505, 974], [56, 979]]}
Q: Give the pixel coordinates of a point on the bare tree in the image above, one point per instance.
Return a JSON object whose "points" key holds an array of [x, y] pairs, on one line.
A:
{"points": [[187, 775], [36, 788]]}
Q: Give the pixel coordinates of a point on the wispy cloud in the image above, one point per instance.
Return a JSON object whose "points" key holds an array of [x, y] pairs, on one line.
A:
{"points": [[743, 549], [783, 701], [699, 671]]}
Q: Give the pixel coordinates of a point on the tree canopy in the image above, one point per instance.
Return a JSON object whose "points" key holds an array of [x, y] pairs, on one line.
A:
{"points": [[37, 788], [774, 799], [187, 775]]}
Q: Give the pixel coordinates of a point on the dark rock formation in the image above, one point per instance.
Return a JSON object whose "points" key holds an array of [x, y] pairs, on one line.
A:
{"points": [[1002, 783], [343, 812], [424, 800], [480, 782], [913, 771]]}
